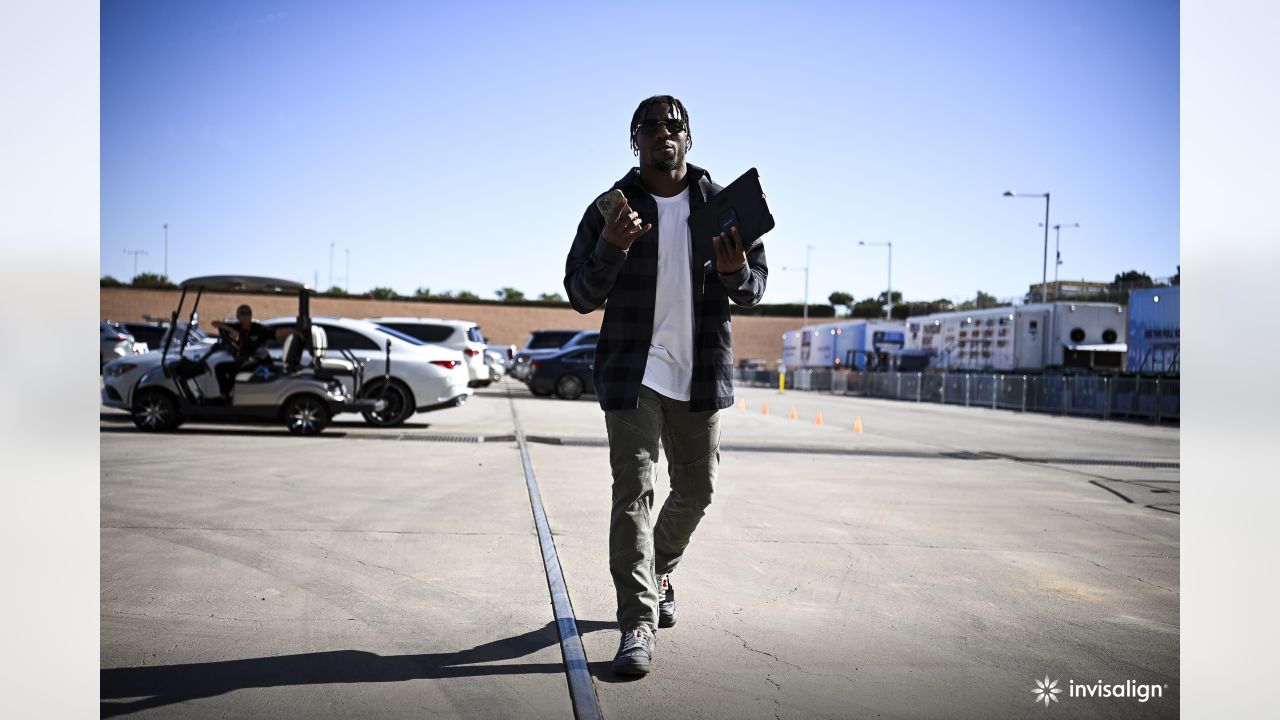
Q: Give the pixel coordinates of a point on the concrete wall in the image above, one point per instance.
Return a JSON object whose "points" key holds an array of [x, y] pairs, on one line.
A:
{"points": [[753, 337]]}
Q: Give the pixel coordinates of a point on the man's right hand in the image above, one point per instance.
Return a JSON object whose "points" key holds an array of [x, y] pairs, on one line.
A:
{"points": [[625, 227]]}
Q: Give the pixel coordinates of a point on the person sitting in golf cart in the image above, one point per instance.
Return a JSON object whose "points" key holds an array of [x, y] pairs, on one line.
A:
{"points": [[250, 340]]}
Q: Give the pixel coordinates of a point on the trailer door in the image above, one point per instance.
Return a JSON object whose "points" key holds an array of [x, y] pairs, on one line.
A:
{"points": [[1029, 343]]}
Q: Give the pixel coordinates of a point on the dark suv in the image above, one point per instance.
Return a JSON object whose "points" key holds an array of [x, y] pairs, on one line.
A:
{"points": [[566, 373], [545, 343]]}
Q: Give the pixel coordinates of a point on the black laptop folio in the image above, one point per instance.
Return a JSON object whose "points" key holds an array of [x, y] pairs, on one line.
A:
{"points": [[741, 203]]}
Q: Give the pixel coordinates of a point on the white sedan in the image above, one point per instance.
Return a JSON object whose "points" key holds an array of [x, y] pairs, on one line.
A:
{"points": [[424, 377]]}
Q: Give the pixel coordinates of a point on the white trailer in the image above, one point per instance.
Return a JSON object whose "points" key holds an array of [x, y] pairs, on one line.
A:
{"points": [[1026, 338], [847, 343], [813, 346]]}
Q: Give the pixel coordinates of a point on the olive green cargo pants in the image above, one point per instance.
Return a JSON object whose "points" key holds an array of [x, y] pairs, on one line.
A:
{"points": [[640, 551]]}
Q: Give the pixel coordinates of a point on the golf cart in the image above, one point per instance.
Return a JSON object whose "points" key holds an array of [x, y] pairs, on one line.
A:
{"points": [[303, 388]]}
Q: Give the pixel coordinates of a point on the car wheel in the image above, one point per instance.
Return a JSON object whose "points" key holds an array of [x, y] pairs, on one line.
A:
{"points": [[155, 411], [569, 387], [306, 415], [399, 405]]}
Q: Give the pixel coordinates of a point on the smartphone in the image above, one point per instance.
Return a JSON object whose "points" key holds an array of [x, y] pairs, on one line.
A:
{"points": [[728, 219]]}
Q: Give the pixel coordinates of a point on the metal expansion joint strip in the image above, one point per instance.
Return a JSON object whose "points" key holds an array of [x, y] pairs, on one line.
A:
{"points": [[582, 691]]}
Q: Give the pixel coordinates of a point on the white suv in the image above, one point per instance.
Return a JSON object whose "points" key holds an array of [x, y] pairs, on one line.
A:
{"points": [[461, 335]]}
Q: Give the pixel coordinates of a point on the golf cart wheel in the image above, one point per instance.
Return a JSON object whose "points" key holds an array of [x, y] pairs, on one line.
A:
{"points": [[155, 411], [569, 387], [399, 405], [306, 415]]}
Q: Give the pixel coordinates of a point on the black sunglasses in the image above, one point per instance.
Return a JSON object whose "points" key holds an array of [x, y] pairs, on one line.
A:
{"points": [[672, 126]]}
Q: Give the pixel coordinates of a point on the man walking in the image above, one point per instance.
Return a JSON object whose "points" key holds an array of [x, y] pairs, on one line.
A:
{"points": [[664, 360]]}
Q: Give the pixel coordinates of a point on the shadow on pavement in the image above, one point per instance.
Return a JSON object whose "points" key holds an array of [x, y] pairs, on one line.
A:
{"points": [[282, 432], [131, 689], [362, 424]]}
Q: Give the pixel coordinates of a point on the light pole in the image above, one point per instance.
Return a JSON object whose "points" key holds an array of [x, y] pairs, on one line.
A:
{"points": [[347, 277], [331, 266], [1044, 265], [166, 250], [1057, 254], [135, 254], [807, 248], [889, 295]]}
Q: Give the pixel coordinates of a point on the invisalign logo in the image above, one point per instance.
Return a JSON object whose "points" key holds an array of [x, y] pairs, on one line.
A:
{"points": [[1047, 691]]}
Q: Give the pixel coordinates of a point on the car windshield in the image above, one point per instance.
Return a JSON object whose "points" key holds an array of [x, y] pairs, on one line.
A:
{"points": [[549, 339], [402, 336]]}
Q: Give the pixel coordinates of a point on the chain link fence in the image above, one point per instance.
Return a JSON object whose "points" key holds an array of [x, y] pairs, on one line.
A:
{"points": [[1153, 399]]}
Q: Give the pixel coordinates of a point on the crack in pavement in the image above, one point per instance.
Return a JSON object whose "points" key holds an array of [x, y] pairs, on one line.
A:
{"points": [[777, 704], [775, 658], [1131, 577]]}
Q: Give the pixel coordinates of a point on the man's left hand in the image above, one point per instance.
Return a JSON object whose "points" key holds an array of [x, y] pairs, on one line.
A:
{"points": [[730, 255]]}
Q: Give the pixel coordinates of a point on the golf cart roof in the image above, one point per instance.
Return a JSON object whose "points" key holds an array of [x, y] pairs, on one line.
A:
{"points": [[242, 283]]}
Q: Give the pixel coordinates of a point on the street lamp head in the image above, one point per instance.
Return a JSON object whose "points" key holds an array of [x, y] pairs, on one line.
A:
{"points": [[1010, 193]]}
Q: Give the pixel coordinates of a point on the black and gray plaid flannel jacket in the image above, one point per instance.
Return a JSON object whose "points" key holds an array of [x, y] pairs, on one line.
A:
{"points": [[625, 282]]}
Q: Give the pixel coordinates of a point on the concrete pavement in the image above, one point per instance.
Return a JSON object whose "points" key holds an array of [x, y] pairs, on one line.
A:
{"points": [[934, 565]]}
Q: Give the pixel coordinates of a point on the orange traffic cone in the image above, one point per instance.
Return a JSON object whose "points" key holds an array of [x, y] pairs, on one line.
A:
{"points": [[793, 414], [818, 420], [765, 411], [857, 424]]}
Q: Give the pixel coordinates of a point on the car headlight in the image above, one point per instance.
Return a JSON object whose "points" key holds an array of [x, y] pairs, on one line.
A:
{"points": [[118, 369]]}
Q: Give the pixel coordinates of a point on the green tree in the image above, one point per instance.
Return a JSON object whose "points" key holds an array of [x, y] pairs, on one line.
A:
{"points": [[867, 308], [335, 290], [882, 298], [466, 295], [383, 293], [422, 293], [152, 280], [841, 300], [509, 294], [550, 297], [108, 281], [1133, 279], [980, 301]]}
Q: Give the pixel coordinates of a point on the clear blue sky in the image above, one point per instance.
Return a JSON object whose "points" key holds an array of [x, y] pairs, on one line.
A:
{"points": [[455, 145]]}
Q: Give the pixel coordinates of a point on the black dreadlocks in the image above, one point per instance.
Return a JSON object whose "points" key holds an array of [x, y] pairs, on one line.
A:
{"points": [[640, 112]]}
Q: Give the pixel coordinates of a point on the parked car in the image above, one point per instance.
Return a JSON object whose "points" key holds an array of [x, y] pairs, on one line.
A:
{"points": [[497, 362], [164, 388], [116, 342], [566, 373], [461, 335], [545, 343], [423, 376], [154, 333]]}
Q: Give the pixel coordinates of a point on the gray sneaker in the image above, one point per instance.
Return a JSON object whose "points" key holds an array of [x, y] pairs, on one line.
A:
{"points": [[666, 602], [635, 652]]}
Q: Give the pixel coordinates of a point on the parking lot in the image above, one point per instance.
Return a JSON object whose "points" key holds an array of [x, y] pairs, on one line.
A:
{"points": [[935, 564]]}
